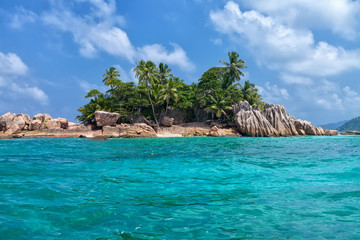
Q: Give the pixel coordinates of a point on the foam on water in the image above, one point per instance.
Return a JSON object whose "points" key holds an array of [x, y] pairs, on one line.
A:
{"points": [[190, 188]]}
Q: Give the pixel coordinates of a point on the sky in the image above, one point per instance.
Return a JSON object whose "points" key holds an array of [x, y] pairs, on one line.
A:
{"points": [[302, 54]]}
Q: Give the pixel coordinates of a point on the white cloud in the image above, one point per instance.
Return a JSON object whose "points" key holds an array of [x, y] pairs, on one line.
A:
{"points": [[12, 69], [11, 64], [21, 17], [340, 16], [273, 93], [283, 48], [292, 79], [157, 53], [126, 76], [99, 31], [329, 96], [25, 91]]}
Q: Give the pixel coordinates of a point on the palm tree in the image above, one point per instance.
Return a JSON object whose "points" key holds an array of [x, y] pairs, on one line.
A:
{"points": [[164, 73], [156, 91], [250, 93], [169, 92], [233, 66], [111, 77], [219, 103], [147, 72]]}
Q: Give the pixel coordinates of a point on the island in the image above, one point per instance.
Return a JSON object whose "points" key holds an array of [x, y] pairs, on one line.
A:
{"points": [[162, 105]]}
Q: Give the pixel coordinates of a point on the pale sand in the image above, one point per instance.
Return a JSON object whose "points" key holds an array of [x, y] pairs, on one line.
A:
{"points": [[168, 135]]}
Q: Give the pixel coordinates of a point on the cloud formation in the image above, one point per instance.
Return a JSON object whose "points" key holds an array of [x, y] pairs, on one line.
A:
{"points": [[21, 17], [280, 47], [99, 31], [281, 38], [11, 69], [340, 16]]}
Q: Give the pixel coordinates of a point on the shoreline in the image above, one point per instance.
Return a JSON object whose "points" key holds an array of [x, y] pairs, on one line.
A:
{"points": [[248, 121], [132, 131]]}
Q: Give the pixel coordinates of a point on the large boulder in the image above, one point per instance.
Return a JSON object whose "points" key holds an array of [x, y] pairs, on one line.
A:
{"points": [[328, 132], [135, 130], [250, 122], [103, 118], [43, 117], [14, 121], [167, 121], [64, 122], [14, 129], [272, 121], [52, 124], [6, 121], [35, 125], [278, 118], [220, 132]]}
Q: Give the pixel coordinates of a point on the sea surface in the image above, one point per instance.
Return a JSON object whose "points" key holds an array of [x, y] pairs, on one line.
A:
{"points": [[180, 188]]}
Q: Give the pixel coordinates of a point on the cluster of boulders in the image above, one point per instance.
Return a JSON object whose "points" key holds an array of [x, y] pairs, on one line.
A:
{"points": [[272, 122], [15, 123], [350, 133]]}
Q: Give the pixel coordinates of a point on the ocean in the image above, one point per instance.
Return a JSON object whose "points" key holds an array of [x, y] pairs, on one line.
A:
{"points": [[180, 188]]}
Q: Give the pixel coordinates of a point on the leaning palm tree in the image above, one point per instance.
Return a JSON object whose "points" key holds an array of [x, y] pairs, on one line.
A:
{"points": [[147, 72], [169, 92], [233, 66], [111, 77], [219, 103]]}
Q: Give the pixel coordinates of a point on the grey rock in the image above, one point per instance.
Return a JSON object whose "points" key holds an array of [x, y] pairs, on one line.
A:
{"points": [[35, 125], [103, 118], [272, 121], [167, 121]]}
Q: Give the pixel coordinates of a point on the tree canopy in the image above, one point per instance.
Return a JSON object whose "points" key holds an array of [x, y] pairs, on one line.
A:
{"points": [[158, 90]]}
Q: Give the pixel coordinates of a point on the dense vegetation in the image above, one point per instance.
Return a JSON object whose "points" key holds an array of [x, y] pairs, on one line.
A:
{"points": [[158, 90], [352, 125]]}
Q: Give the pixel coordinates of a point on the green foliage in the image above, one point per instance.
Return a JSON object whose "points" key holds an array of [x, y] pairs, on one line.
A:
{"points": [[159, 89]]}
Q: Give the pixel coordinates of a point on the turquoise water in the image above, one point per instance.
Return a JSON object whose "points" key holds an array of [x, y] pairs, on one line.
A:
{"points": [[190, 188]]}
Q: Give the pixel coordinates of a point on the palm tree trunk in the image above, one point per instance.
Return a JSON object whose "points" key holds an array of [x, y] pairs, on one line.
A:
{"points": [[152, 106], [167, 105]]}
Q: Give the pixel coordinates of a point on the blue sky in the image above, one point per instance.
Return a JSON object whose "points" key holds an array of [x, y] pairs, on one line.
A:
{"points": [[302, 54]]}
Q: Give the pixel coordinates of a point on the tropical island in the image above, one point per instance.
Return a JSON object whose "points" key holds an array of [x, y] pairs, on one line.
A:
{"points": [[162, 105]]}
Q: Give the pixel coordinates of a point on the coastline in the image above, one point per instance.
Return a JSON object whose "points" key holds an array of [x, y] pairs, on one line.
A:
{"points": [[248, 121]]}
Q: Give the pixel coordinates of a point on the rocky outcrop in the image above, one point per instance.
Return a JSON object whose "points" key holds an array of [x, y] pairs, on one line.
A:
{"points": [[45, 121], [329, 132], [42, 117], [272, 121], [14, 123], [251, 122], [276, 115], [103, 118], [350, 133], [223, 132], [124, 130], [167, 121]]}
